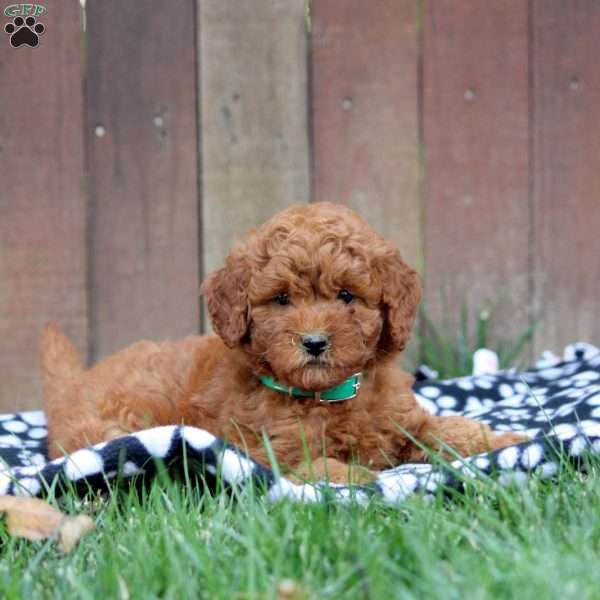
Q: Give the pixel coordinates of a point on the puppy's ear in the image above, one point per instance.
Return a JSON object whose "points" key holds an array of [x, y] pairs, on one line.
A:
{"points": [[401, 294], [226, 296]]}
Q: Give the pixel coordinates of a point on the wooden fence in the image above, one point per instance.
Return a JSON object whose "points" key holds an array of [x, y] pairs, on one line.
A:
{"points": [[468, 131]]}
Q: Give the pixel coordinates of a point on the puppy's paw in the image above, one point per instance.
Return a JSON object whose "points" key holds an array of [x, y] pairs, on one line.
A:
{"points": [[507, 439], [330, 469]]}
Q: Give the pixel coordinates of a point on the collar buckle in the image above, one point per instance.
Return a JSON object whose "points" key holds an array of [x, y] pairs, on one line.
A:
{"points": [[356, 385]]}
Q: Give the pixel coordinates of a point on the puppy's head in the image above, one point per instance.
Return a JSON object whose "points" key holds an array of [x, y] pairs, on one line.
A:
{"points": [[313, 296]]}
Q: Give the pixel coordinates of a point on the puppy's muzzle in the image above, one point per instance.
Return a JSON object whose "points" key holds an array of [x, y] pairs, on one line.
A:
{"points": [[315, 343]]}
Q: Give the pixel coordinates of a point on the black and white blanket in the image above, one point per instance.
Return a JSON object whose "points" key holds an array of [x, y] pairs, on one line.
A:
{"points": [[557, 405]]}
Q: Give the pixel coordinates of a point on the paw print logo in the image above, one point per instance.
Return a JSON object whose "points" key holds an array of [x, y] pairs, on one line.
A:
{"points": [[24, 32]]}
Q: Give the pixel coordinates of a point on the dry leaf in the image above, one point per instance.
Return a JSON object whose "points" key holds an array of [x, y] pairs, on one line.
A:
{"points": [[30, 518], [35, 519], [288, 589], [72, 529]]}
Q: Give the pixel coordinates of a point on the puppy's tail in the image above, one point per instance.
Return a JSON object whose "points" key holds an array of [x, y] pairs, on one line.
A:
{"points": [[61, 365], [60, 360]]}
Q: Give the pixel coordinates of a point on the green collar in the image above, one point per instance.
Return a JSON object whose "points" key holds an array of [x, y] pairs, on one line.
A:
{"points": [[345, 391]]}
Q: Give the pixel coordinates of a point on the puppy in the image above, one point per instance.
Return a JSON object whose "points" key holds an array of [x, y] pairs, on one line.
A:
{"points": [[310, 312]]}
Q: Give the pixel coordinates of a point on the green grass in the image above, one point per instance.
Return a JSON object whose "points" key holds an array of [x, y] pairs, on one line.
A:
{"points": [[541, 541], [449, 348]]}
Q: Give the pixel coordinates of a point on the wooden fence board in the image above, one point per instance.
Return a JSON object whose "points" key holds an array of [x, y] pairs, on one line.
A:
{"points": [[42, 207], [566, 170], [141, 131], [252, 61], [475, 117], [365, 114]]}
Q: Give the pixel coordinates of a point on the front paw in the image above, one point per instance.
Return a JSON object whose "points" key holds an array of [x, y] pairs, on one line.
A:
{"points": [[330, 469], [507, 439]]}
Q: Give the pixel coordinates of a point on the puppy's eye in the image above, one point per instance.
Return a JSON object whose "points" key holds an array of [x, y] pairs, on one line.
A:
{"points": [[282, 299], [346, 296]]}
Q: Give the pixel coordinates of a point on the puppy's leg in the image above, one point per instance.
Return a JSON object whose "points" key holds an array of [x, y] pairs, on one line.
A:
{"points": [[464, 436], [333, 470]]}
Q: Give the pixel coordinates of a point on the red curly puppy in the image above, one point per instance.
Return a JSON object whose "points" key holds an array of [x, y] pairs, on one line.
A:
{"points": [[311, 311]]}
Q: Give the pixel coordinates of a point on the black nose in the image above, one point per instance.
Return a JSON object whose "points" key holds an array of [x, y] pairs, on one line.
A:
{"points": [[315, 343]]}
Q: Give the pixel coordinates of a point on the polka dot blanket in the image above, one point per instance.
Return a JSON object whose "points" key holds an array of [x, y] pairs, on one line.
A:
{"points": [[557, 405]]}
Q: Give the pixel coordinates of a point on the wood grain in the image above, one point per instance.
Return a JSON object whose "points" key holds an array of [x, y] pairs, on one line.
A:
{"points": [[566, 210], [42, 205], [141, 131], [253, 82], [365, 114], [476, 137]]}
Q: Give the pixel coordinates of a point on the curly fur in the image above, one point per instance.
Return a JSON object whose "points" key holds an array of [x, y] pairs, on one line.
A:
{"points": [[309, 252]]}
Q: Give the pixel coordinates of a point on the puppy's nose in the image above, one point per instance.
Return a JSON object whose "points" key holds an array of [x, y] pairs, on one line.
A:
{"points": [[315, 343]]}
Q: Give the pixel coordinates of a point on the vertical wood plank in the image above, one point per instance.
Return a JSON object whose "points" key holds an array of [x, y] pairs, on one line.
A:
{"points": [[42, 205], [365, 113], [253, 77], [566, 155], [141, 129], [476, 136]]}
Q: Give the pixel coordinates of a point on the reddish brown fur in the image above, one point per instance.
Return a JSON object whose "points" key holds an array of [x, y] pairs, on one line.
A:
{"points": [[309, 252]]}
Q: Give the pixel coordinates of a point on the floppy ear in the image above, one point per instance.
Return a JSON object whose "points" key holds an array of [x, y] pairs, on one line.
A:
{"points": [[226, 296], [401, 294]]}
